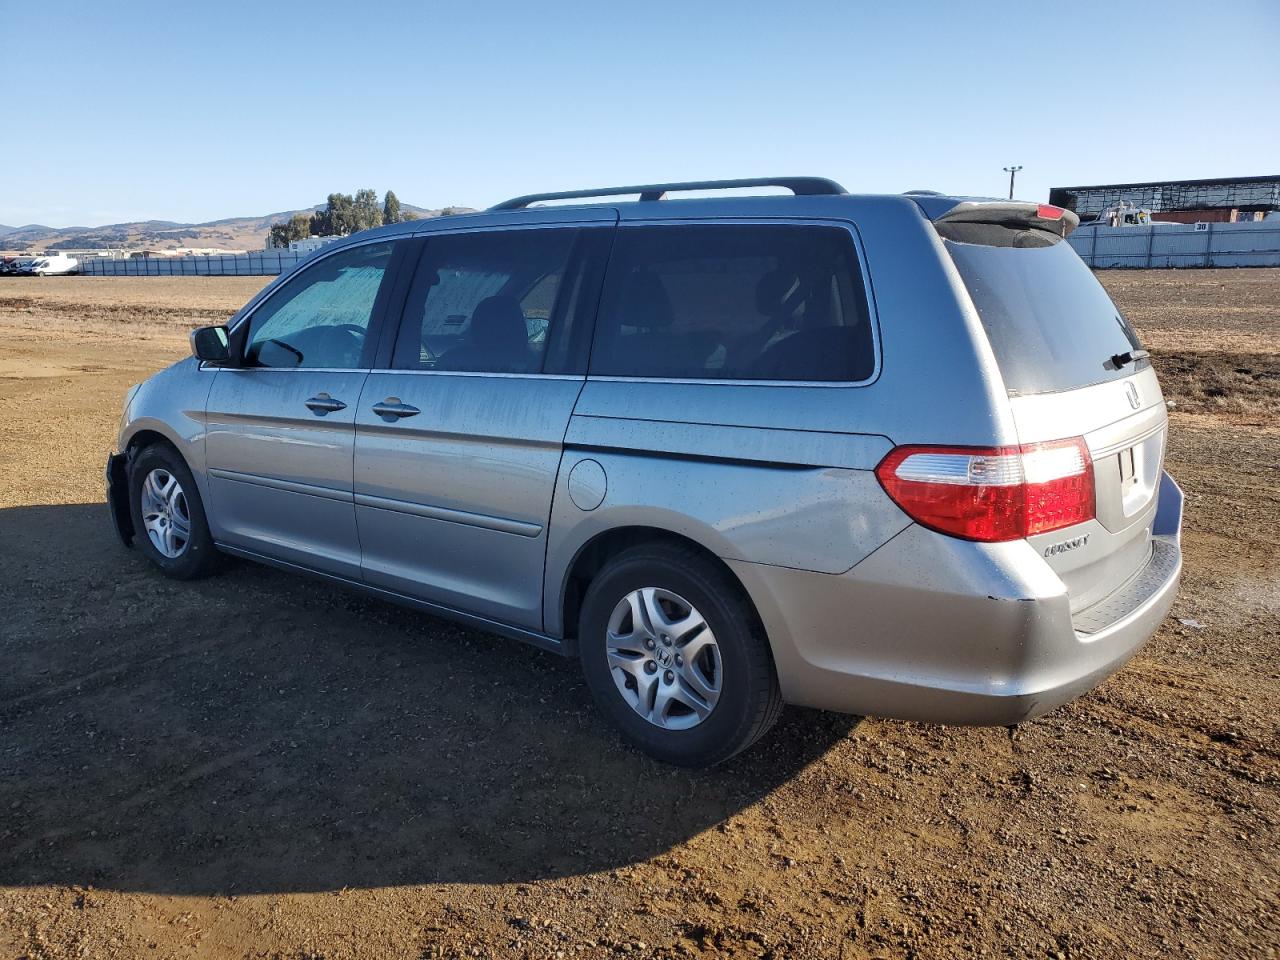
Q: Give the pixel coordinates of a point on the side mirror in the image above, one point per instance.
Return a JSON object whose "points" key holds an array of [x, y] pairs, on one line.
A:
{"points": [[212, 345]]}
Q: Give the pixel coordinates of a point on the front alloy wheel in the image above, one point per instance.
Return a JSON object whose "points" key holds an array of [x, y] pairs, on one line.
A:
{"points": [[165, 514], [165, 505]]}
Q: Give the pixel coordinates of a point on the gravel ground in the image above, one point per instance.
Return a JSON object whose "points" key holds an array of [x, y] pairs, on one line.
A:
{"points": [[260, 766]]}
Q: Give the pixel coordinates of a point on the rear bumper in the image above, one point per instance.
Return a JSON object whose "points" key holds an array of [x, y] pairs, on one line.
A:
{"points": [[937, 629], [117, 483]]}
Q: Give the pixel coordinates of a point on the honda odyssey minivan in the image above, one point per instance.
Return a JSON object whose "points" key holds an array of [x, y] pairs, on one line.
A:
{"points": [[891, 455]]}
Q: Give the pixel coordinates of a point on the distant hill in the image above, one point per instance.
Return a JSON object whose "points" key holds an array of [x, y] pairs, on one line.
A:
{"points": [[232, 233]]}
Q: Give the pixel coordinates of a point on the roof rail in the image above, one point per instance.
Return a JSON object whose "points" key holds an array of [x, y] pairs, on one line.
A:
{"points": [[800, 186]]}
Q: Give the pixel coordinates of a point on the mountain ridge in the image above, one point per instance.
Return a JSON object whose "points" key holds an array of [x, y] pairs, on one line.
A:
{"points": [[231, 233]]}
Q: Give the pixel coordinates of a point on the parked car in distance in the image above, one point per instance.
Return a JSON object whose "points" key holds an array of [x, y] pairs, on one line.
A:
{"points": [[891, 455], [54, 264]]}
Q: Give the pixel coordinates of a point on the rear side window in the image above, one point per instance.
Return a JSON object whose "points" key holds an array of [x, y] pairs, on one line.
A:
{"points": [[734, 302], [1051, 325], [485, 301]]}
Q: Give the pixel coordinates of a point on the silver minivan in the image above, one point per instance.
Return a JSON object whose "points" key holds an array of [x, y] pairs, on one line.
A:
{"points": [[892, 455]]}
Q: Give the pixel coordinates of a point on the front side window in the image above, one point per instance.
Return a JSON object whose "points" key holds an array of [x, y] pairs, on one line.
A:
{"points": [[321, 317], [485, 302], [735, 302]]}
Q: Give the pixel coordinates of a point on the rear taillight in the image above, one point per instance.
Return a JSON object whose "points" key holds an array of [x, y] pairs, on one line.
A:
{"points": [[1047, 211], [992, 493]]}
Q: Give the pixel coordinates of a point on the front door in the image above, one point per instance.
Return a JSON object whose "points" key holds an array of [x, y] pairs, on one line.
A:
{"points": [[458, 443], [281, 435]]}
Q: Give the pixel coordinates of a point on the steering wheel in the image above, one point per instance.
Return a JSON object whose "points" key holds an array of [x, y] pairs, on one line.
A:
{"points": [[357, 334], [355, 330]]}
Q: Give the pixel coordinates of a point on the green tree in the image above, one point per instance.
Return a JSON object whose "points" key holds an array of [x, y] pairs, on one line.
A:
{"points": [[299, 227], [366, 210], [337, 219], [344, 214], [391, 208]]}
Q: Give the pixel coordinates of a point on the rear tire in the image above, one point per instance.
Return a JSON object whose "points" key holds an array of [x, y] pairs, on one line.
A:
{"points": [[168, 515], [693, 711]]}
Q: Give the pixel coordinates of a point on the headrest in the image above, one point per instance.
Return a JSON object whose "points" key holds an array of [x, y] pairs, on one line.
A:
{"points": [[645, 303], [779, 293], [498, 322]]}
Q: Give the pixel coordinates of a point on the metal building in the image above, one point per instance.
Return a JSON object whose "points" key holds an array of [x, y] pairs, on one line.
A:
{"points": [[1229, 200]]}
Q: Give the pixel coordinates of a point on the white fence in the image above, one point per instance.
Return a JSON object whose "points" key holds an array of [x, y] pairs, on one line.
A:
{"points": [[1255, 244], [242, 265]]}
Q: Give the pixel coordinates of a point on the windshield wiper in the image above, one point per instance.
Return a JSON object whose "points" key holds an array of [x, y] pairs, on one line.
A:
{"points": [[1120, 359]]}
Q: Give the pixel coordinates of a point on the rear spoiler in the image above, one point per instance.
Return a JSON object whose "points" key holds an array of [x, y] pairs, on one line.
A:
{"points": [[1041, 216]]}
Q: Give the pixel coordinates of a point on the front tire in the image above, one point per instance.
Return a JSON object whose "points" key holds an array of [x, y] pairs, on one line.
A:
{"points": [[676, 657], [168, 514]]}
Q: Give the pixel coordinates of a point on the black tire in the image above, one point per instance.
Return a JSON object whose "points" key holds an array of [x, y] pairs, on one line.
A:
{"points": [[199, 558], [749, 701]]}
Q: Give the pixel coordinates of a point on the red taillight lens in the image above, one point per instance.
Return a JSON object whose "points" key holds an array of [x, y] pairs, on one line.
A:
{"points": [[992, 493], [1047, 211]]}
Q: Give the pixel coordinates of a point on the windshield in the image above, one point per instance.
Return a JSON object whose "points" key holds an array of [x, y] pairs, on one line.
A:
{"points": [[1051, 324]]}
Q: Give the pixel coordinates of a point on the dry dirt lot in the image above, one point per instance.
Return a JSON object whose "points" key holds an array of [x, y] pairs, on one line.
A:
{"points": [[260, 766]]}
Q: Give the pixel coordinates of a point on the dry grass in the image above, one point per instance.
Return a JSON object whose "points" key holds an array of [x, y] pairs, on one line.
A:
{"points": [[1214, 335]]}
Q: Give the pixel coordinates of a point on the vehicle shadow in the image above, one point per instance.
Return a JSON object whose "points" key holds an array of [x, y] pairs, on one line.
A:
{"points": [[259, 732]]}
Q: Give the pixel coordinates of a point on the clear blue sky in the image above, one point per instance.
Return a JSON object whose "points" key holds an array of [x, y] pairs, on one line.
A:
{"points": [[191, 112]]}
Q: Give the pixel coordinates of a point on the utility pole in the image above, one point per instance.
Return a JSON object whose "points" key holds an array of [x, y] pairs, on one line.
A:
{"points": [[1012, 172]]}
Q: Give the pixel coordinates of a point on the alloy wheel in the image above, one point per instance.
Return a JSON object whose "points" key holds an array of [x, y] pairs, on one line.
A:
{"points": [[664, 658], [165, 514]]}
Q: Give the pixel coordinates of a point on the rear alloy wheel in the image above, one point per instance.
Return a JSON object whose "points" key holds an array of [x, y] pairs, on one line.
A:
{"points": [[168, 515], [664, 658], [675, 655]]}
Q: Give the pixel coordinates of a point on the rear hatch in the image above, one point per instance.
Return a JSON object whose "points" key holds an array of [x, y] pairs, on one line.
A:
{"points": [[1073, 367]]}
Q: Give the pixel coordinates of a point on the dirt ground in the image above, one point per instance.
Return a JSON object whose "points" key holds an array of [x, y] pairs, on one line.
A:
{"points": [[260, 766]]}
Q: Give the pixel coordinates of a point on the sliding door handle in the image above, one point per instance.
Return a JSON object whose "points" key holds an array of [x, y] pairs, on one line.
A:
{"points": [[322, 403], [392, 409]]}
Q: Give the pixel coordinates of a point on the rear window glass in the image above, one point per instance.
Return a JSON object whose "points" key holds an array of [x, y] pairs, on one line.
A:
{"points": [[734, 302], [1051, 324]]}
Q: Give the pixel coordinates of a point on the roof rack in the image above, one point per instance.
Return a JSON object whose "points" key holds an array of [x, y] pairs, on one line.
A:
{"points": [[800, 186]]}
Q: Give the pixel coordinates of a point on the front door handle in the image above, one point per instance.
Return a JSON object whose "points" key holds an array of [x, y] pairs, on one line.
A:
{"points": [[322, 403], [392, 409]]}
